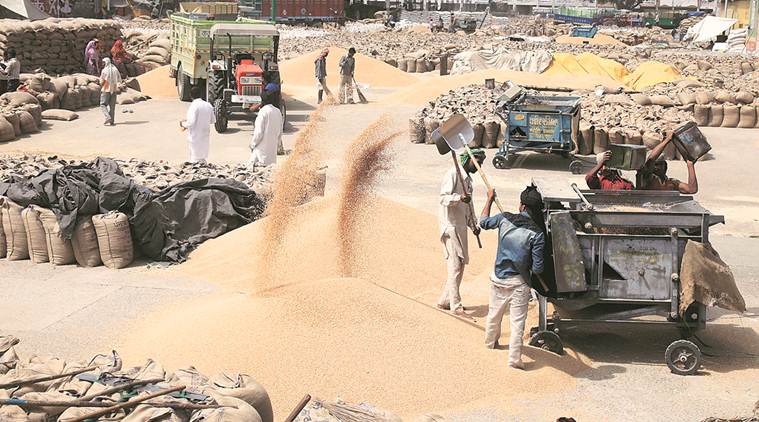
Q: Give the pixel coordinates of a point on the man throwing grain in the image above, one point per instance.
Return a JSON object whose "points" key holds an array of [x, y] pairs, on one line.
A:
{"points": [[520, 251], [347, 70], [456, 214]]}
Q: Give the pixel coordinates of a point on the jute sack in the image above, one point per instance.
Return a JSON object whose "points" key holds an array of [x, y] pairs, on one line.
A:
{"points": [[724, 96], [479, 130], [705, 97], [402, 65], [633, 137], [748, 116], [731, 116], [411, 65], [600, 141], [416, 130], [490, 136], [13, 228], [27, 123], [701, 114], [715, 115], [35, 235], [13, 118], [235, 410], [59, 114], [7, 133], [661, 100], [586, 139], [746, 68], [430, 124], [616, 136], [245, 388], [651, 139], [114, 239], [59, 250], [686, 97], [641, 99], [84, 242], [744, 97]]}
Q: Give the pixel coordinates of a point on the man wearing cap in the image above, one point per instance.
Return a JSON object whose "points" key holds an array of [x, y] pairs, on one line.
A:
{"points": [[653, 175], [521, 241], [320, 71], [347, 70], [456, 214]]}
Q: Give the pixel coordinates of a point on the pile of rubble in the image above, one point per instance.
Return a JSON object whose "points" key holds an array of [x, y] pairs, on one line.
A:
{"points": [[102, 387], [156, 175]]}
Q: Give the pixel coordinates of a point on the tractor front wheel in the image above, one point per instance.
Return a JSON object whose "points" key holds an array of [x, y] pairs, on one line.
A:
{"points": [[215, 86], [220, 112]]}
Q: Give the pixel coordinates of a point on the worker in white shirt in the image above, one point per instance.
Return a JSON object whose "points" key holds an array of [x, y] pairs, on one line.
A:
{"points": [[12, 70], [267, 131], [200, 117]]}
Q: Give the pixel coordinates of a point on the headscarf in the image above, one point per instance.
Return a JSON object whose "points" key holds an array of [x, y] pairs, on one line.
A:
{"points": [[477, 152], [90, 52], [110, 74], [118, 52]]}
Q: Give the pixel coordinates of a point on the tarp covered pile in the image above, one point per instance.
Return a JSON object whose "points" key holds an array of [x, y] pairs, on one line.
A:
{"points": [[166, 225], [535, 61], [103, 382]]}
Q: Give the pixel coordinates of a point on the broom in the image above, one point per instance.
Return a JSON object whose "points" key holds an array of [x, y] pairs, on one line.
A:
{"points": [[361, 96]]}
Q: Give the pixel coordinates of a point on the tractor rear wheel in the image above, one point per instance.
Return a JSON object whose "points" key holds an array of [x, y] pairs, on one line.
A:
{"points": [[183, 85], [215, 86], [220, 112]]}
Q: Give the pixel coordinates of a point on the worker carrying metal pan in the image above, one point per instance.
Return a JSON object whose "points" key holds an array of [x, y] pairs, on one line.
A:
{"points": [[652, 175], [521, 241]]}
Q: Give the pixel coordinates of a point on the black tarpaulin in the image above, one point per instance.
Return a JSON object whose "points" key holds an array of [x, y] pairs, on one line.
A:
{"points": [[166, 225]]}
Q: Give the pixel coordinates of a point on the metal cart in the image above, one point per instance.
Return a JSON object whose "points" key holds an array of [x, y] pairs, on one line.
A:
{"points": [[546, 124], [617, 256], [584, 31]]}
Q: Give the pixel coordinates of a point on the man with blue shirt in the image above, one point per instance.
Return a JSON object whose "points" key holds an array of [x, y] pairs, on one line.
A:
{"points": [[521, 241]]}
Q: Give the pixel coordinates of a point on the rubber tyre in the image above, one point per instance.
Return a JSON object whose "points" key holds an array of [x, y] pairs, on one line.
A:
{"points": [[215, 86], [683, 357], [500, 162], [547, 340], [220, 112], [576, 167], [183, 85]]}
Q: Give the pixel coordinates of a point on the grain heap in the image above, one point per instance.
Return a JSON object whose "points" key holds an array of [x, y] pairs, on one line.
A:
{"points": [[152, 174], [245, 400], [56, 46]]}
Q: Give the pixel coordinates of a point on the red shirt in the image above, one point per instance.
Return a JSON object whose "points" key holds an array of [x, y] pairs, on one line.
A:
{"points": [[600, 182]]}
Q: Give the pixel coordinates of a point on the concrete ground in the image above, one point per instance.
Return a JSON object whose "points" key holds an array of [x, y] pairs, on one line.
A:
{"points": [[75, 312]]}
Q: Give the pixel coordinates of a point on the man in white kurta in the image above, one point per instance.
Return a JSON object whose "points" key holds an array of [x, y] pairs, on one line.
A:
{"points": [[266, 134], [200, 117], [455, 215]]}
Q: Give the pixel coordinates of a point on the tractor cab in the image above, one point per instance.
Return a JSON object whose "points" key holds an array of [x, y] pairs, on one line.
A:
{"points": [[243, 60]]}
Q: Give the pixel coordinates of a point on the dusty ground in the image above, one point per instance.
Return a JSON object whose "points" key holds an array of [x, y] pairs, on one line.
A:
{"points": [[77, 312]]}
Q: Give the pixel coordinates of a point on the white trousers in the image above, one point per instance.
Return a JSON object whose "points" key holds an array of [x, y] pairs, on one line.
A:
{"points": [[451, 296], [513, 294]]}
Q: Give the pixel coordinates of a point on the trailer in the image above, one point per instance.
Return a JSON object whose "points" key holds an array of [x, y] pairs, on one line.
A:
{"points": [[584, 31], [546, 124], [616, 258]]}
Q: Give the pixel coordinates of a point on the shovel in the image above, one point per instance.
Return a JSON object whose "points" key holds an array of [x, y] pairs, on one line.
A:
{"points": [[455, 135]]}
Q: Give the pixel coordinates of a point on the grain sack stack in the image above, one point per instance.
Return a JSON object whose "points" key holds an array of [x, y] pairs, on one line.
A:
{"points": [[56, 46], [157, 54]]}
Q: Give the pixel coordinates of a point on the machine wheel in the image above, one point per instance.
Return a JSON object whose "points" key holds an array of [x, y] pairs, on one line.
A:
{"points": [[215, 86], [547, 340], [183, 85], [502, 162], [576, 167], [220, 112], [683, 357]]}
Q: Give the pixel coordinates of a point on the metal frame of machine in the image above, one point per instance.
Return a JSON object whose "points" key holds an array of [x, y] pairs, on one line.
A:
{"points": [[617, 257], [546, 124]]}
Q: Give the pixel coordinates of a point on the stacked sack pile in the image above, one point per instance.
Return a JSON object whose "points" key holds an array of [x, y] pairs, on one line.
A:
{"points": [[21, 115], [475, 102], [34, 233], [102, 381], [55, 46], [151, 49], [736, 40]]}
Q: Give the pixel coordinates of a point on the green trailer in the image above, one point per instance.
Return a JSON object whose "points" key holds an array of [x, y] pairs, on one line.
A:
{"points": [[191, 48]]}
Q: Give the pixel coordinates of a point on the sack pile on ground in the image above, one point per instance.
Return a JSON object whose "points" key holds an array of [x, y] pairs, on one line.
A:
{"points": [[230, 397], [337, 411], [151, 174], [165, 224], [56, 46]]}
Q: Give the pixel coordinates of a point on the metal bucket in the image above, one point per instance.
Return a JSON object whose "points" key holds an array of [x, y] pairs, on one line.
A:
{"points": [[690, 142], [627, 157]]}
